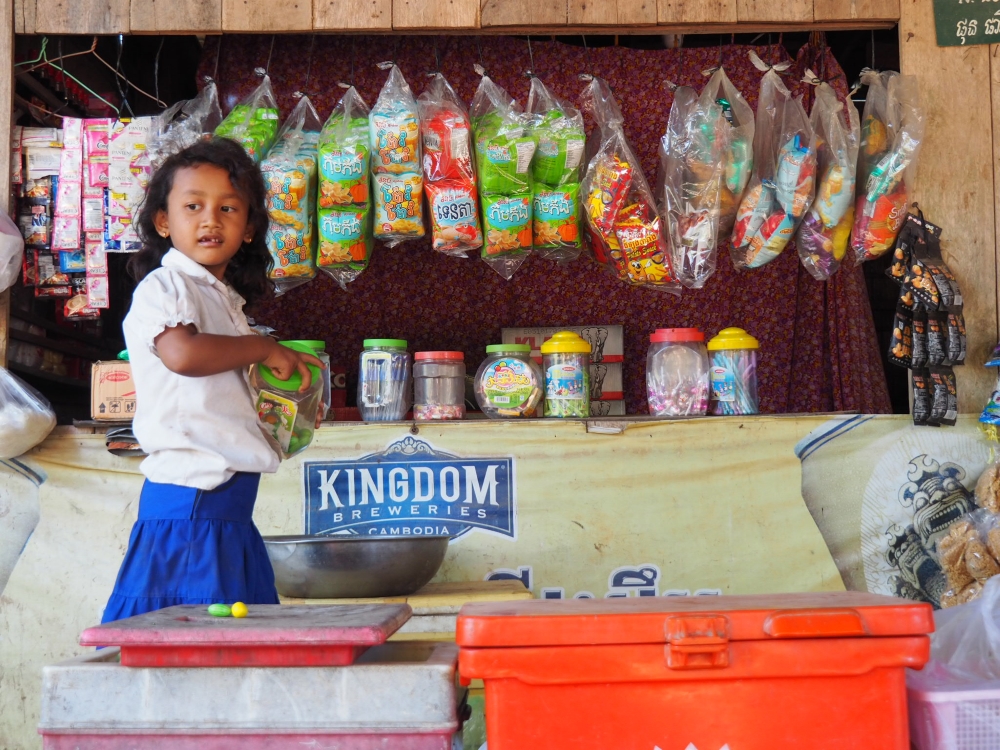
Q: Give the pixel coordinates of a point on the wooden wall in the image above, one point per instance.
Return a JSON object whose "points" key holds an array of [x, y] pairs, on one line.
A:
{"points": [[619, 16]]}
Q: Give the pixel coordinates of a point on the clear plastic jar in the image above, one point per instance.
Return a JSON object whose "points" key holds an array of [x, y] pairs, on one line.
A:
{"points": [[438, 385], [677, 373], [320, 348], [508, 383], [287, 414], [566, 363], [733, 372], [384, 380]]}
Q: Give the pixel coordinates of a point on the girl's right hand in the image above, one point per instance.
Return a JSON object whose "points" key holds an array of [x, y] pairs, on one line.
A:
{"points": [[283, 361]]}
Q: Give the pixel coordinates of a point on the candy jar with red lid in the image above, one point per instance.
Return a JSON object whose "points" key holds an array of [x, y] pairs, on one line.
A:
{"points": [[438, 385], [677, 379]]}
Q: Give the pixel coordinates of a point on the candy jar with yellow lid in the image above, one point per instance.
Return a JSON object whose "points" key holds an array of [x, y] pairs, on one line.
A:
{"points": [[566, 364], [733, 372], [287, 414]]}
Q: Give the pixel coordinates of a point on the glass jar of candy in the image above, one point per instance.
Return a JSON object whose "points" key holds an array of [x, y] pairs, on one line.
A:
{"points": [[677, 373], [384, 380], [438, 385], [733, 372], [508, 383], [287, 414], [566, 364], [320, 348]]}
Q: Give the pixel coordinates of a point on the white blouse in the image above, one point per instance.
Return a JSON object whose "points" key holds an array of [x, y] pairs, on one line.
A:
{"points": [[198, 431]]}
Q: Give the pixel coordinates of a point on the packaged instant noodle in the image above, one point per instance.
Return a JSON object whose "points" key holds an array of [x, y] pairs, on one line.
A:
{"points": [[449, 174], [782, 186], [556, 169], [253, 123], [290, 177], [394, 138], [344, 220], [823, 237], [504, 152], [892, 128], [626, 233], [739, 154], [693, 154]]}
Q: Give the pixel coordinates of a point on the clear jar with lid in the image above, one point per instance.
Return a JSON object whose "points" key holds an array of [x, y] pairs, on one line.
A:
{"points": [[733, 372], [508, 383], [287, 414], [320, 348], [566, 363], [384, 380], [438, 385], [677, 373]]}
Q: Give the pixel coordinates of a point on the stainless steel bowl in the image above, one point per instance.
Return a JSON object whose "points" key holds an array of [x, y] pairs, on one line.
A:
{"points": [[353, 567]]}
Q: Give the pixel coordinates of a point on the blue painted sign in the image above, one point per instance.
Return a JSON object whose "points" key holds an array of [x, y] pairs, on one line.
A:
{"points": [[411, 489]]}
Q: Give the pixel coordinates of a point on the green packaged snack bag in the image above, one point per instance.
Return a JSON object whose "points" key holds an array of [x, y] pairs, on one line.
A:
{"points": [[344, 154], [253, 123], [504, 147], [345, 241], [556, 214], [507, 224]]}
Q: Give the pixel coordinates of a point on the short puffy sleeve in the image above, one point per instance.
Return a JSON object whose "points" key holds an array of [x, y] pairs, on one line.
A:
{"points": [[162, 300]]}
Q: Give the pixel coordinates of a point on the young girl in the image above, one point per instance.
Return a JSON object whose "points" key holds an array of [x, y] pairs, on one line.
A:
{"points": [[203, 258]]}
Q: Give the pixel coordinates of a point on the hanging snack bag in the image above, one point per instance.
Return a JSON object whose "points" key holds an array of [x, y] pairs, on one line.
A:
{"points": [[290, 177], [625, 230], [692, 169], [344, 219], [394, 138], [253, 123], [449, 176], [892, 129], [184, 124], [784, 175], [826, 230], [504, 150], [739, 153], [556, 169]]}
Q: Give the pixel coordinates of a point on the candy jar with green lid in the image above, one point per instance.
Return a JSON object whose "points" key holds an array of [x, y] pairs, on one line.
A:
{"points": [[384, 380], [566, 363], [287, 414], [320, 348], [508, 383], [733, 372]]}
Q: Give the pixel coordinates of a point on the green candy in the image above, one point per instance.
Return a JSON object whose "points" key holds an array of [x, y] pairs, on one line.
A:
{"points": [[220, 610]]}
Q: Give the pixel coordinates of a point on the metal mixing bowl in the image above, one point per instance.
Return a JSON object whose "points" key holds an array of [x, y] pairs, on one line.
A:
{"points": [[353, 567]]}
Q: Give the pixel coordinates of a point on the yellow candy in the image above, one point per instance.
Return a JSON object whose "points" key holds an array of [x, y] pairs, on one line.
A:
{"points": [[239, 609]]}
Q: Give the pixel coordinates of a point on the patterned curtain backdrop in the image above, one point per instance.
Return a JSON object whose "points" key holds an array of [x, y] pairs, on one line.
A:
{"points": [[818, 345]]}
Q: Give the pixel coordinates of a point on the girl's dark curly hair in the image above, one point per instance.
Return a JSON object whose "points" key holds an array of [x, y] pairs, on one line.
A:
{"points": [[247, 271]]}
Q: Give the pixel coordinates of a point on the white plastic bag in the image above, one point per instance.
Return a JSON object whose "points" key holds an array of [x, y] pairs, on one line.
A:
{"points": [[965, 646], [25, 416], [11, 251], [183, 124]]}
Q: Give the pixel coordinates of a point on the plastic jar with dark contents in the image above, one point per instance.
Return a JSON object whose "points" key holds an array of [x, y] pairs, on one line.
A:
{"points": [[508, 383], [438, 386]]}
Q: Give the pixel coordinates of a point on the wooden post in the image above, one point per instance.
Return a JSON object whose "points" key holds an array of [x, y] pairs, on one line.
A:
{"points": [[955, 177], [6, 115]]}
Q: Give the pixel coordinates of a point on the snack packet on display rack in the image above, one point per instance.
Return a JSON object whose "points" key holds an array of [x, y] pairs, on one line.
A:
{"points": [[449, 175], [892, 129], [557, 128], [693, 154], [626, 233], [344, 218], [290, 177], [504, 151], [825, 232], [253, 123], [783, 183], [394, 139], [739, 155], [184, 124]]}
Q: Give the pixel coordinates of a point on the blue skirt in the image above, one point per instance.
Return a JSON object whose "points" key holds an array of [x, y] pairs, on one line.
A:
{"points": [[193, 546]]}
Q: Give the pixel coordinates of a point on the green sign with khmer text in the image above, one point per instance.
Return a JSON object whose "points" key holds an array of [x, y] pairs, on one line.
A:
{"points": [[964, 22]]}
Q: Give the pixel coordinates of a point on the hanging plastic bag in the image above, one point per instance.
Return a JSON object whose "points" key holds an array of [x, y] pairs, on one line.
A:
{"points": [[184, 124], [739, 156], [626, 232], [449, 174], [11, 252], [892, 129], [826, 230], [782, 187], [26, 418], [394, 139], [504, 151], [557, 167], [290, 177], [253, 123], [344, 216], [693, 158]]}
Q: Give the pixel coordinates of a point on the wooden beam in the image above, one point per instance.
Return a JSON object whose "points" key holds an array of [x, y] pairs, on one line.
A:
{"points": [[6, 121], [81, 17], [177, 16], [352, 15], [696, 11], [955, 178], [840, 10], [435, 14], [774, 11], [266, 16], [529, 13], [611, 12]]}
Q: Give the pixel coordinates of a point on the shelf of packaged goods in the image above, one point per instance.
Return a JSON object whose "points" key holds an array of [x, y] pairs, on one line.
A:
{"points": [[43, 375]]}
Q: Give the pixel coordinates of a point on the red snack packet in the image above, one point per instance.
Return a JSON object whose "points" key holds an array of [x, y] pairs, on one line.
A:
{"points": [[446, 135], [643, 258], [609, 188], [454, 215]]}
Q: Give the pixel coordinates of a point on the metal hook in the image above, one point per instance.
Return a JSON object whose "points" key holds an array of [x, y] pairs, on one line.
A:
{"points": [[267, 65], [873, 50], [479, 47], [531, 58], [354, 40], [123, 93], [218, 56], [312, 44], [156, 69], [720, 50]]}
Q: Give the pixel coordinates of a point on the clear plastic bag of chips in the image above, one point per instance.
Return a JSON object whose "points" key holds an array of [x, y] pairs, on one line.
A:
{"points": [[184, 124], [254, 122]]}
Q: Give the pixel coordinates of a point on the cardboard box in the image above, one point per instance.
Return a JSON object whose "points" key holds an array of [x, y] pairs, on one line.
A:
{"points": [[112, 392], [606, 382], [607, 342]]}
